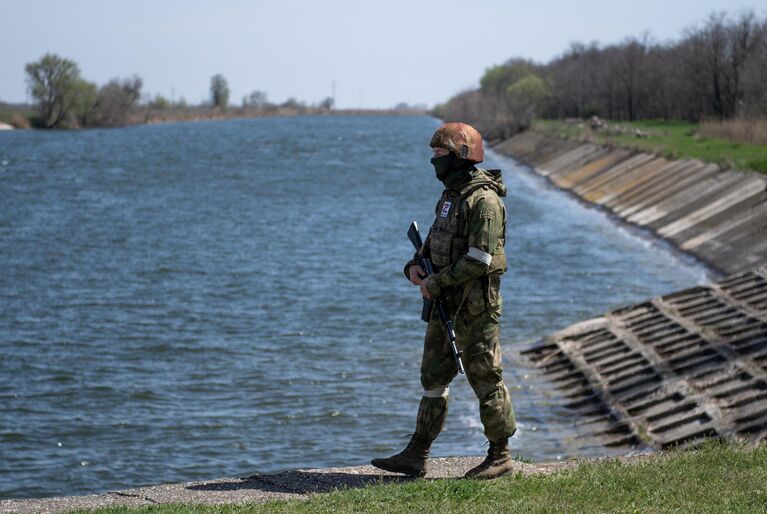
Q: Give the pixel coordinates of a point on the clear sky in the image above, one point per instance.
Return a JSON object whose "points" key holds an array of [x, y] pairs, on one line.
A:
{"points": [[378, 53]]}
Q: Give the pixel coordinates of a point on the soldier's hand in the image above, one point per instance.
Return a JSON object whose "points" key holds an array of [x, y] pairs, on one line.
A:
{"points": [[424, 291], [416, 272]]}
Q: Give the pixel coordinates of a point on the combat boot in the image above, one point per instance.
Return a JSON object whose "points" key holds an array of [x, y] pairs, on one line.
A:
{"points": [[497, 462], [411, 461]]}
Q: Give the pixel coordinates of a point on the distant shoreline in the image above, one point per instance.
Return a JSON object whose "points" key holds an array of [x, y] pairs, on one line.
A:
{"points": [[21, 117], [155, 120]]}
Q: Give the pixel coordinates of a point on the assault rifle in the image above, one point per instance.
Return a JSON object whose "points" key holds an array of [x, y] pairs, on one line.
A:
{"points": [[428, 304]]}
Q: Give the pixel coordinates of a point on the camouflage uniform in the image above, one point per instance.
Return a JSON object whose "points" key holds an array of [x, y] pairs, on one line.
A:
{"points": [[466, 243]]}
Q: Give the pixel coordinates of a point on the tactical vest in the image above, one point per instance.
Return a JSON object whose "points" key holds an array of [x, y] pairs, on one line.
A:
{"points": [[448, 239]]}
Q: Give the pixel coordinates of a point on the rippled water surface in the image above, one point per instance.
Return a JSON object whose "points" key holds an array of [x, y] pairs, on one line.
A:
{"points": [[191, 301]]}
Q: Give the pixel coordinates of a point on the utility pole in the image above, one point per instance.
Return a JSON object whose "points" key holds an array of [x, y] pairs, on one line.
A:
{"points": [[333, 95]]}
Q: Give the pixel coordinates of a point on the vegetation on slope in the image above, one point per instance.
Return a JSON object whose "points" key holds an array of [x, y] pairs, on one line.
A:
{"points": [[671, 139]]}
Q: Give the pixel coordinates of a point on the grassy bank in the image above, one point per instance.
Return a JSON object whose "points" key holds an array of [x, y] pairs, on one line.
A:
{"points": [[715, 478], [671, 139]]}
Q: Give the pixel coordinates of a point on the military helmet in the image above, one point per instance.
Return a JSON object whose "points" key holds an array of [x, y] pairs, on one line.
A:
{"points": [[461, 139]]}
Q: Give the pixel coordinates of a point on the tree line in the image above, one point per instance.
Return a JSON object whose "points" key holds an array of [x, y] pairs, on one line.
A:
{"points": [[716, 70], [64, 99]]}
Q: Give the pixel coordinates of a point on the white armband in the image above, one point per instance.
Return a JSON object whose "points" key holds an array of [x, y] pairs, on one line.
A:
{"points": [[478, 255]]}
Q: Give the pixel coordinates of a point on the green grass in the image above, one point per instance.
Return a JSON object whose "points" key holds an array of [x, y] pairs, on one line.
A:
{"points": [[716, 478], [671, 139]]}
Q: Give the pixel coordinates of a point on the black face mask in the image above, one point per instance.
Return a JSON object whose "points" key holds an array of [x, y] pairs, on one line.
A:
{"points": [[443, 165], [451, 170]]}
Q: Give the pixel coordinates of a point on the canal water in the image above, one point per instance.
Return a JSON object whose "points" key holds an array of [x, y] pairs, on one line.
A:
{"points": [[190, 301]]}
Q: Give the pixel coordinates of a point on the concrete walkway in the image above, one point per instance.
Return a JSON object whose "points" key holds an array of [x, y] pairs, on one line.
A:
{"points": [[257, 488]]}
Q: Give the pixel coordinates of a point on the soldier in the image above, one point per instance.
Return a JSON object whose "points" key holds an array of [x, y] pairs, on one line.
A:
{"points": [[466, 246]]}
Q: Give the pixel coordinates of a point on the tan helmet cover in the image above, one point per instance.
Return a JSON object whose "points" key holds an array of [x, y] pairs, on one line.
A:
{"points": [[461, 139]]}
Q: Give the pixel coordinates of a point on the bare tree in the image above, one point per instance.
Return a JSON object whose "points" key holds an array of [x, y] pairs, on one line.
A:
{"points": [[116, 99], [755, 76], [631, 70], [717, 69], [745, 37], [257, 99]]}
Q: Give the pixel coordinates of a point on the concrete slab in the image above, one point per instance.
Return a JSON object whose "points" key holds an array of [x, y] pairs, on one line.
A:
{"points": [[597, 181], [748, 251], [522, 145], [578, 153], [741, 193], [568, 178], [643, 189], [673, 371], [619, 183], [636, 182], [728, 225], [727, 251], [737, 211], [708, 187], [545, 153], [579, 163], [667, 186], [692, 204]]}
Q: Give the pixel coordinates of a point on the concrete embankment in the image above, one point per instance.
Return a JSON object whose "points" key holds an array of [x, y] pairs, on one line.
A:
{"points": [[670, 371], [680, 368], [719, 216]]}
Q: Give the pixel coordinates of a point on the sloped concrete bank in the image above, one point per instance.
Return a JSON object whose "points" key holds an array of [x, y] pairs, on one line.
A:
{"points": [[718, 216], [670, 371]]}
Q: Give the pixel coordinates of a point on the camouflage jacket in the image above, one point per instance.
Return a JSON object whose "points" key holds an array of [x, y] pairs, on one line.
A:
{"points": [[466, 242]]}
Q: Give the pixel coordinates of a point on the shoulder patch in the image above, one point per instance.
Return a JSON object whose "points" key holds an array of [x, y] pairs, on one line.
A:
{"points": [[445, 209], [486, 214]]}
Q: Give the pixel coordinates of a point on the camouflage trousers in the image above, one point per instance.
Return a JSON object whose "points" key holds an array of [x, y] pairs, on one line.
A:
{"points": [[478, 338]]}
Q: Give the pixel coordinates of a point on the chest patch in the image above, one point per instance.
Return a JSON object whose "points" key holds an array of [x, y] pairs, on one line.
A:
{"points": [[445, 209]]}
